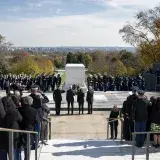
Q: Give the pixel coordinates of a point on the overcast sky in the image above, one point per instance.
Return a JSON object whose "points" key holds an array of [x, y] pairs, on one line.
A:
{"points": [[67, 22]]}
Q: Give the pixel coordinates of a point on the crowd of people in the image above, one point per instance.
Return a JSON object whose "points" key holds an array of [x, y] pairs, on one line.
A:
{"points": [[140, 114], [151, 71], [107, 83], [28, 113], [24, 82]]}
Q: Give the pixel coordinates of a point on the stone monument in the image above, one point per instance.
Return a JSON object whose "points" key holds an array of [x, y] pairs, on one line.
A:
{"points": [[75, 75]]}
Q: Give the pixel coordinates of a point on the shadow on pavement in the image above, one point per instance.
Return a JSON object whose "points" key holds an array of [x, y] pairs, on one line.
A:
{"points": [[103, 148]]}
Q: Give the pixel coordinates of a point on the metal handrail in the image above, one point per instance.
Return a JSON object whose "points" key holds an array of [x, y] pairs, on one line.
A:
{"points": [[113, 120], [15, 130], [148, 140], [11, 142]]}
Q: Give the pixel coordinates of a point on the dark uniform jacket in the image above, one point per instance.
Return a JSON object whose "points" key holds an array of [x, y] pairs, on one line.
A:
{"points": [[130, 101], [140, 110], [123, 111], [37, 104], [37, 101]]}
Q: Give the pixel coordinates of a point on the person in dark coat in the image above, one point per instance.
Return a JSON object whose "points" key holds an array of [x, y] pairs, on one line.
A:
{"points": [[2, 112], [155, 123], [44, 124], [54, 81], [80, 100], [140, 115], [29, 119], [130, 101], [57, 97], [58, 80], [37, 104], [150, 110], [3, 154], [114, 125], [126, 132], [12, 120], [70, 98], [89, 99]]}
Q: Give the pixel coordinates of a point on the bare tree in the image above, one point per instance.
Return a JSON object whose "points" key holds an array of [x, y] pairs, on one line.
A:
{"points": [[144, 32]]}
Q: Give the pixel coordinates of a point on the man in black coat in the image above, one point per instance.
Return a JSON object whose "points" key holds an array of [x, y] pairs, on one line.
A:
{"points": [[89, 99], [70, 98], [57, 97], [140, 115], [128, 112], [80, 100]]}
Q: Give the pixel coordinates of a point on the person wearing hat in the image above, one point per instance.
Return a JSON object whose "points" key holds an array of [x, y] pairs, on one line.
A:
{"points": [[128, 112], [37, 104], [89, 99], [140, 115]]}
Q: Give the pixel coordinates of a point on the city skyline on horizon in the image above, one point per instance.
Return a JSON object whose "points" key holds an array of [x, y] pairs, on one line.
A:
{"points": [[66, 23]]}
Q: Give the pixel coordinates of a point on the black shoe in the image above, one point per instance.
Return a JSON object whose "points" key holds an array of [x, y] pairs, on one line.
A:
{"points": [[111, 138], [45, 143], [156, 145], [139, 146]]}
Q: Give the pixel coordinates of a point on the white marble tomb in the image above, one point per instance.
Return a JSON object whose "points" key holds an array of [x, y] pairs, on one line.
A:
{"points": [[75, 74]]}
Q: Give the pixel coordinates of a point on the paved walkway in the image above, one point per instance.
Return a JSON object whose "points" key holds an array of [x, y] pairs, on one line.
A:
{"points": [[80, 126], [92, 149]]}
